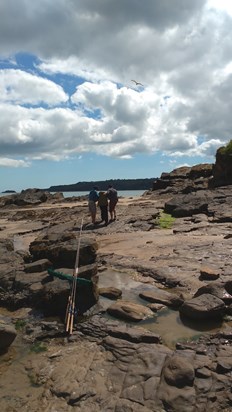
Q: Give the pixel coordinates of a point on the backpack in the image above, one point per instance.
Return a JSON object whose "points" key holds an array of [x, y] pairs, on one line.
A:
{"points": [[93, 195], [112, 194]]}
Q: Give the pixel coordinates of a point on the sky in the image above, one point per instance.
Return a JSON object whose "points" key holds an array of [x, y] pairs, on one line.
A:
{"points": [[70, 110]]}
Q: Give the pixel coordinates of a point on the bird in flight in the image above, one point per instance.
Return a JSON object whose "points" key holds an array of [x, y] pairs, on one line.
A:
{"points": [[137, 83]]}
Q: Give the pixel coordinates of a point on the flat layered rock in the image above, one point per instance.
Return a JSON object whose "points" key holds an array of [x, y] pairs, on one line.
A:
{"points": [[162, 297], [38, 266], [129, 311], [209, 272], [110, 293]]}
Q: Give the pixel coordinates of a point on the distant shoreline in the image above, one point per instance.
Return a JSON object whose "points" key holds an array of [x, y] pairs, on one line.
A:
{"points": [[119, 184], [121, 193]]}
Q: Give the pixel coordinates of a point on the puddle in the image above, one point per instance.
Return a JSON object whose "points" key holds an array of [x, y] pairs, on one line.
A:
{"points": [[167, 323], [123, 281], [173, 329]]}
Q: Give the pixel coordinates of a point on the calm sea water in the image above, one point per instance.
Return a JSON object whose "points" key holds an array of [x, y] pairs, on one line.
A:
{"points": [[121, 193]]}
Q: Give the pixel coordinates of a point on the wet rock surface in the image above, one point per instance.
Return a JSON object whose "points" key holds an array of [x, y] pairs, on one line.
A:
{"points": [[203, 307], [120, 370], [129, 311], [109, 364]]}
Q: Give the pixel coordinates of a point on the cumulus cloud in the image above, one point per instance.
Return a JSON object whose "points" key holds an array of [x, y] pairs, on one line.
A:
{"points": [[18, 86], [179, 50]]}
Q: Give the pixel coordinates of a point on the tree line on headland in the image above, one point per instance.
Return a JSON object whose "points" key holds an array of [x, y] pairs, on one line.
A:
{"points": [[119, 184]]}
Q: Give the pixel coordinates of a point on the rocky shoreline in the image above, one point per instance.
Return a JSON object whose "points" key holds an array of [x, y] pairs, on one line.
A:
{"points": [[112, 362]]}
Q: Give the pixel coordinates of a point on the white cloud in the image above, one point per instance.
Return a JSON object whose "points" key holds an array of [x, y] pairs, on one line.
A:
{"points": [[18, 86], [180, 50], [73, 65], [223, 5]]}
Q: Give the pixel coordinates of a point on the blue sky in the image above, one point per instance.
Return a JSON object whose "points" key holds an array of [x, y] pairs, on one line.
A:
{"points": [[69, 110]]}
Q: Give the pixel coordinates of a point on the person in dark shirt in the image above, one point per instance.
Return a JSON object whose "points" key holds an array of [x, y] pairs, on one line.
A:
{"points": [[103, 204], [93, 198], [112, 195]]}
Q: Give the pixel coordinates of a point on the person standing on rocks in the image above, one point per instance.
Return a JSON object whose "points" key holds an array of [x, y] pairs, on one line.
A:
{"points": [[103, 204], [112, 195], [93, 198]]}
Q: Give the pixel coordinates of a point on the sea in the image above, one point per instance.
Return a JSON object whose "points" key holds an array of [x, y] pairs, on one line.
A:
{"points": [[121, 193]]}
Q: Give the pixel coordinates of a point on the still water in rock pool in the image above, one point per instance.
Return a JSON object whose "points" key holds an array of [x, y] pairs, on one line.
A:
{"points": [[166, 323]]}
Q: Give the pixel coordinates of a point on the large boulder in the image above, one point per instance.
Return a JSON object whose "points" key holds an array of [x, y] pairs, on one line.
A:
{"points": [[55, 292], [203, 307], [30, 284], [176, 388], [129, 311], [187, 205], [219, 289], [59, 245], [178, 371], [55, 295]]}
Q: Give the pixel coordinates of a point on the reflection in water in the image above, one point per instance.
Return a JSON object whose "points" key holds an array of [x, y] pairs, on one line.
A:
{"points": [[172, 328], [167, 322], [208, 325]]}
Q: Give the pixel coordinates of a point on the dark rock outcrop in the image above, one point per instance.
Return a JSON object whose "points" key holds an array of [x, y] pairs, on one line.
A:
{"points": [[213, 203], [184, 179], [199, 177], [222, 169], [59, 246], [30, 284], [30, 197]]}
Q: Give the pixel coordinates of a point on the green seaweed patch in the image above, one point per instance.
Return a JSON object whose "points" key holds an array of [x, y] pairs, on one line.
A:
{"points": [[20, 324], [165, 221], [38, 347], [191, 339]]}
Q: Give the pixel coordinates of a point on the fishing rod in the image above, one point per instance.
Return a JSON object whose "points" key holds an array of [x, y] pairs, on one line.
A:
{"points": [[70, 311]]}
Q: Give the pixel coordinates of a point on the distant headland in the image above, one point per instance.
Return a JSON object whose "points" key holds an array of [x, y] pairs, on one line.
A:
{"points": [[119, 184]]}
